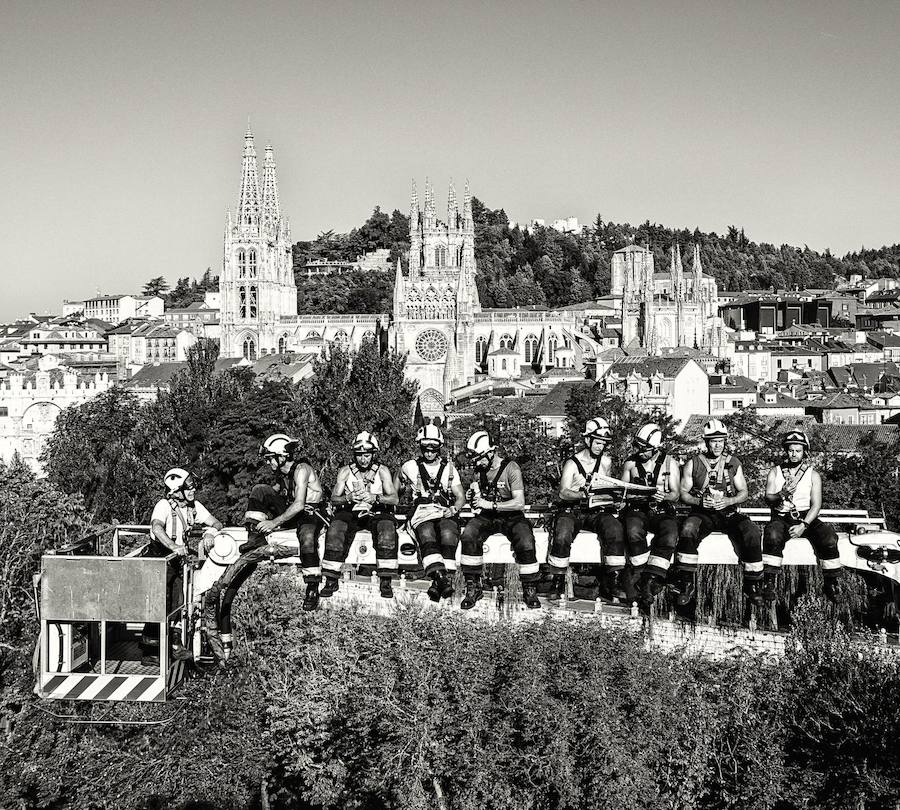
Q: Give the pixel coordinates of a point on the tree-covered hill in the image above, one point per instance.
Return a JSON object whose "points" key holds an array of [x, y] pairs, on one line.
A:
{"points": [[540, 266]]}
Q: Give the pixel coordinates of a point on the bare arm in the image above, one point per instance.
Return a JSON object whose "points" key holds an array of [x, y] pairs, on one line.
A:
{"points": [[339, 493], [567, 491], [687, 484], [815, 498], [301, 480], [158, 531], [740, 487], [773, 493], [672, 483], [388, 490], [458, 493]]}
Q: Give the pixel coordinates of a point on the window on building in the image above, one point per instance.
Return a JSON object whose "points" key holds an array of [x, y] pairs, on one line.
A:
{"points": [[503, 364], [480, 350], [282, 344], [440, 256], [737, 403], [242, 305], [4, 410], [506, 342], [251, 302], [249, 348], [251, 263], [242, 263], [552, 343], [531, 343], [718, 405], [657, 389], [341, 338]]}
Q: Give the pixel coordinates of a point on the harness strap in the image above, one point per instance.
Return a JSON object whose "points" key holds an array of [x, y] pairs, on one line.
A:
{"points": [[489, 488]]}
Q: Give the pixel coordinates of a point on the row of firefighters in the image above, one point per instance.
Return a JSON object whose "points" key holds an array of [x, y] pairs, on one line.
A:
{"points": [[620, 510]]}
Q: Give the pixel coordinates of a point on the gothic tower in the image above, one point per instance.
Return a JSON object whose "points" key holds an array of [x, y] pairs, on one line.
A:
{"points": [[435, 307], [257, 280]]}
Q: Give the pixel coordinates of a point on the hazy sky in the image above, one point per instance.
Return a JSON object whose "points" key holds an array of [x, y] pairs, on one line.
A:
{"points": [[123, 122]]}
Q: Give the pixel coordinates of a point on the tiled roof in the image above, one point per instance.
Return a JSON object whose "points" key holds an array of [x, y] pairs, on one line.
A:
{"points": [[649, 366], [155, 375], [554, 402], [848, 437], [490, 406]]}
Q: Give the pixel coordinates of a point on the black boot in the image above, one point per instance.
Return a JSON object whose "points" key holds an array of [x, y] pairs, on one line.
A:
{"points": [[685, 588], [311, 598], [833, 589], [529, 595], [558, 588], [385, 589], [331, 585], [441, 586], [753, 591], [768, 587], [473, 592], [648, 587]]}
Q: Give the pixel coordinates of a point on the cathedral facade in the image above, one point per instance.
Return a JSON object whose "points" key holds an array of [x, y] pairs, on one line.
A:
{"points": [[436, 317], [661, 310]]}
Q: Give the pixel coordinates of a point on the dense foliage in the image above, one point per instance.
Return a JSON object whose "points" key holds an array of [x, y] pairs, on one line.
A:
{"points": [[430, 710], [187, 291], [540, 266]]}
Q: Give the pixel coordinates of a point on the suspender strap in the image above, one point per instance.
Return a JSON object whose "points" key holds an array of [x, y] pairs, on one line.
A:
{"points": [[432, 486], [489, 488]]}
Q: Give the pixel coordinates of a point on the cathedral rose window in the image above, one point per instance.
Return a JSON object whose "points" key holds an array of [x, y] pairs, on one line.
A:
{"points": [[431, 345]]}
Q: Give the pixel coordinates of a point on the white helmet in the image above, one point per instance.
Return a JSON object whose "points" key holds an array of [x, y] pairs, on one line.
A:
{"points": [[649, 436], [224, 549], [430, 434], [278, 444], [714, 429], [365, 442], [597, 428], [176, 479], [796, 436], [479, 444]]}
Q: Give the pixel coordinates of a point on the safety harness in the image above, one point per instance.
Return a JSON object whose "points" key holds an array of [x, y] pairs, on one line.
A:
{"points": [[430, 490], [487, 487]]}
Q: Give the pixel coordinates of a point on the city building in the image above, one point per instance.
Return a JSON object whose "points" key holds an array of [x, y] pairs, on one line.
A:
{"points": [[770, 313], [197, 318], [31, 400], [116, 308], [676, 385]]}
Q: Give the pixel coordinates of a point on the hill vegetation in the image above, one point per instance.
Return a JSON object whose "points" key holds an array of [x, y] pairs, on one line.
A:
{"points": [[540, 266]]}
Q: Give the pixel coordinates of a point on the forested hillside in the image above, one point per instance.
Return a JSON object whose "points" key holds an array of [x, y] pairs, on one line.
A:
{"points": [[540, 266]]}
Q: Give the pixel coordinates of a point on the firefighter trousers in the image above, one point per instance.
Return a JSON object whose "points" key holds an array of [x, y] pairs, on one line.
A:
{"points": [[569, 521], [516, 528], [437, 541], [339, 537], [657, 555], [743, 533], [821, 536]]}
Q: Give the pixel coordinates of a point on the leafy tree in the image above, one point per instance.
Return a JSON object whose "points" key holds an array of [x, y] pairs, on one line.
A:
{"points": [[156, 286]]}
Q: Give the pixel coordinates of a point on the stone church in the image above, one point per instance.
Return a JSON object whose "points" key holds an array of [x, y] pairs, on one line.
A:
{"points": [[436, 318], [452, 344]]}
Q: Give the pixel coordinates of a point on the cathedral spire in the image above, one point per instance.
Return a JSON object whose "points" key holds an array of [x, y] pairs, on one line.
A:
{"points": [[271, 208], [679, 272], [249, 205], [413, 207], [467, 210], [452, 209], [429, 204]]}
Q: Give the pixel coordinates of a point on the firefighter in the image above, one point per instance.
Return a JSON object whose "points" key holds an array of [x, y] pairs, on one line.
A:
{"points": [[438, 497], [175, 517], [587, 504], [713, 484], [650, 465], [364, 497], [794, 493], [296, 501], [497, 497]]}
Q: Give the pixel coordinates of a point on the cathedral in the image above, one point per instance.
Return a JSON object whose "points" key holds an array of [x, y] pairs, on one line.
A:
{"points": [[452, 344], [436, 318], [661, 310]]}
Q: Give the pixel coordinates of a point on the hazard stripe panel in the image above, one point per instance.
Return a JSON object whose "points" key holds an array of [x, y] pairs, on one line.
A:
{"points": [[141, 688]]}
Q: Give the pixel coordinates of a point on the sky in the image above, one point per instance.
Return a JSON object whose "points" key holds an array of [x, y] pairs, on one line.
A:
{"points": [[123, 122]]}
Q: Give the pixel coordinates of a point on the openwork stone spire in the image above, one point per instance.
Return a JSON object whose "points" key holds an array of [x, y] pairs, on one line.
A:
{"points": [[452, 208], [468, 224], [249, 204], [271, 206]]}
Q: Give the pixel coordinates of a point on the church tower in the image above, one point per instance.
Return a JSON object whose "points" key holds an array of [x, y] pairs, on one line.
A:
{"points": [[257, 280], [435, 306]]}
